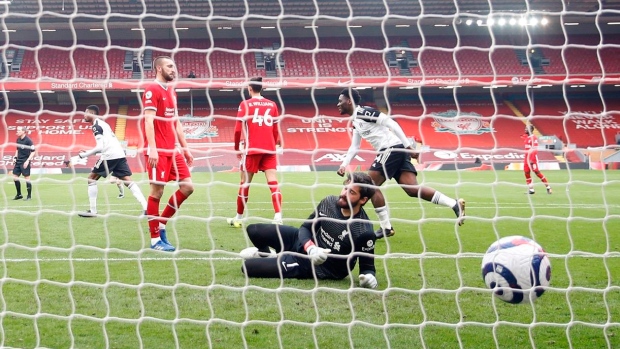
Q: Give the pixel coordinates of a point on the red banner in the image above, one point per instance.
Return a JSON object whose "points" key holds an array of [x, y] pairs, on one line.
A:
{"points": [[309, 82]]}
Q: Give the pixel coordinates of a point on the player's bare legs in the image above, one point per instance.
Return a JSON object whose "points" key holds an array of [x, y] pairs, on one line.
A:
{"points": [[135, 190], [409, 183], [276, 195], [378, 202], [119, 185]]}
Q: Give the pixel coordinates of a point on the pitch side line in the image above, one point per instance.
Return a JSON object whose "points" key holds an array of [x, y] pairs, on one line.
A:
{"points": [[390, 256], [470, 205]]}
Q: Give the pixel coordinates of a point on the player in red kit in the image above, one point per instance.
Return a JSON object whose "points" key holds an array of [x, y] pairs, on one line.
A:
{"points": [[257, 121], [531, 160], [165, 161]]}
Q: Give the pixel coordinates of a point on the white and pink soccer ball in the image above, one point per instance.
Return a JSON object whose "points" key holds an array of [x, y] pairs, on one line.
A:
{"points": [[517, 269]]}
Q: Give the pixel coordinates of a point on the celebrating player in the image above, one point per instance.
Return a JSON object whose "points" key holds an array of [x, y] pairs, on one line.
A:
{"points": [[111, 161], [530, 163], [257, 118], [393, 158], [24, 153], [335, 237], [165, 162]]}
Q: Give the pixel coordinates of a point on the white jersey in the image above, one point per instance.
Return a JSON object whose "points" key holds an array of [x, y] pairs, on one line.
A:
{"points": [[369, 124], [109, 145]]}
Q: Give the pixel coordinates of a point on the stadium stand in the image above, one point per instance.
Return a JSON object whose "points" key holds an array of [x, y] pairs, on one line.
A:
{"points": [[581, 122], [434, 56]]}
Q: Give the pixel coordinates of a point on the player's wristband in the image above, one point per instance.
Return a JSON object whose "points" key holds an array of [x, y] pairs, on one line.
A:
{"points": [[308, 245]]}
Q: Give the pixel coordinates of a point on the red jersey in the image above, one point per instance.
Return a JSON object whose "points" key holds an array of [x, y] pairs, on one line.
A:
{"points": [[257, 118], [164, 101], [531, 146]]}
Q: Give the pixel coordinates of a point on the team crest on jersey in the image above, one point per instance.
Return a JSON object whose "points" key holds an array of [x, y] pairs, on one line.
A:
{"points": [[198, 127], [468, 124]]}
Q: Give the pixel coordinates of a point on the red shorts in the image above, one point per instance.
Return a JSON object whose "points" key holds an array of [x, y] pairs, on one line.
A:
{"points": [[530, 164], [259, 162], [169, 168]]}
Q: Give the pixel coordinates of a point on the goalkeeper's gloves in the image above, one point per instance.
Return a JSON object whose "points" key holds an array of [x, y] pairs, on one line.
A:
{"points": [[318, 255], [368, 281], [82, 154]]}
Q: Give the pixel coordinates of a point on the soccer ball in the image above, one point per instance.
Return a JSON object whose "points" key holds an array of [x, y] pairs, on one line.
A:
{"points": [[517, 269]]}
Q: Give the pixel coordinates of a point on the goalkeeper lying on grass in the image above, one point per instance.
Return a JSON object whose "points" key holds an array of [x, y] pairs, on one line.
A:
{"points": [[328, 244]]}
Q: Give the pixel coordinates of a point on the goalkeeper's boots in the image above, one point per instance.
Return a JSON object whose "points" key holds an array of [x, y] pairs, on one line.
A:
{"points": [[87, 214], [18, 197], [549, 190], [381, 233], [459, 210], [162, 246], [120, 196], [233, 222], [27, 198]]}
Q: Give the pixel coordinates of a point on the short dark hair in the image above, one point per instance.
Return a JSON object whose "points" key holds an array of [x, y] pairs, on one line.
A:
{"points": [[158, 60], [353, 94], [256, 83], [94, 108], [364, 182]]}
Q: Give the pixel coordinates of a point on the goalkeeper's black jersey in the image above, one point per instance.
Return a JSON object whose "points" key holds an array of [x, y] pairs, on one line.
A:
{"points": [[349, 238]]}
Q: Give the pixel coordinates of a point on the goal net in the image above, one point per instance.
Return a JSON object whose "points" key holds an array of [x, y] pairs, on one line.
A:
{"points": [[462, 79]]}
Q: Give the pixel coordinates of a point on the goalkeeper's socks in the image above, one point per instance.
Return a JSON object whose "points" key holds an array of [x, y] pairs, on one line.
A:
{"points": [[440, 199], [154, 241], [29, 188]]}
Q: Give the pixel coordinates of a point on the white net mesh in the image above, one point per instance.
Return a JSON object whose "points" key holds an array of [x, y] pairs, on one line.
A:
{"points": [[462, 78]]}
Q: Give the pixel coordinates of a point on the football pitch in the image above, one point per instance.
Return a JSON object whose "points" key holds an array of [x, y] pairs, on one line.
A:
{"points": [[71, 282]]}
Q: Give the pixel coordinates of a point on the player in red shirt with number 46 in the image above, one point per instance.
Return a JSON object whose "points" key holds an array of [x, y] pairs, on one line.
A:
{"points": [[257, 121], [531, 160]]}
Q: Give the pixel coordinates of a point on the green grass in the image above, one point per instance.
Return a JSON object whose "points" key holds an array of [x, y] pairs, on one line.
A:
{"points": [[94, 283]]}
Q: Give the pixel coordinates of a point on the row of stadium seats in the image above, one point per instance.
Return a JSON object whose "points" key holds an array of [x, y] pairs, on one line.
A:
{"points": [[301, 58]]}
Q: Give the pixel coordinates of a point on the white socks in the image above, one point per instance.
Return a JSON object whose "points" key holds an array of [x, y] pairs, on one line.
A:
{"points": [[92, 196], [440, 199], [384, 217], [135, 190]]}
